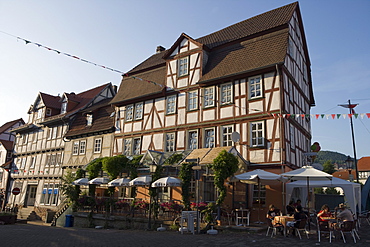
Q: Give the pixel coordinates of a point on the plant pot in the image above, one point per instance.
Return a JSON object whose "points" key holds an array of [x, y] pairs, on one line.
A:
{"points": [[8, 219]]}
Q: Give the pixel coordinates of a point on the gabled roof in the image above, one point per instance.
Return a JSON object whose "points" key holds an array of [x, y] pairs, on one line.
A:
{"points": [[103, 121], [50, 101], [82, 99], [8, 125], [7, 144], [251, 26], [264, 51], [262, 39], [131, 88]]}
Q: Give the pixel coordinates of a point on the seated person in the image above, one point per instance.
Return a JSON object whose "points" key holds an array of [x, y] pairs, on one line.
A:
{"points": [[272, 213], [324, 212], [344, 215], [298, 203], [290, 209], [298, 216]]}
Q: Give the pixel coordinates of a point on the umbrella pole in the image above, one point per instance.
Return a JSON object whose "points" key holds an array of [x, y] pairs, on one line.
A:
{"points": [[259, 200]]}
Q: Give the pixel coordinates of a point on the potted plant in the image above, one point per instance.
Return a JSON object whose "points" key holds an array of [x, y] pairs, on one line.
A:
{"points": [[8, 218]]}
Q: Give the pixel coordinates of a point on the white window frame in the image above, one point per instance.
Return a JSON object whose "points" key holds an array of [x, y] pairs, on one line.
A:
{"points": [[255, 87], [75, 148], [183, 66], [63, 108], [39, 113], [192, 139], [170, 140], [209, 140], [98, 145], [171, 104], [127, 146], [257, 134], [209, 97], [89, 119], [226, 132], [48, 112], [139, 108], [227, 94], [192, 100], [129, 113], [136, 146], [82, 147]]}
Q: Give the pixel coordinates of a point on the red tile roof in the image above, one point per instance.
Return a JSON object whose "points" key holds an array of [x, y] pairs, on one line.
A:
{"points": [[50, 101], [363, 164], [8, 125], [102, 120], [7, 144], [255, 43]]}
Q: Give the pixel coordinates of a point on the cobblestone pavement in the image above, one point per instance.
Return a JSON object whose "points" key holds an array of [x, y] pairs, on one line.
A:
{"points": [[40, 235]]}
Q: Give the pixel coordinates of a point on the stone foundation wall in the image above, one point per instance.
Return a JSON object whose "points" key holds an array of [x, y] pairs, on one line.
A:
{"points": [[85, 220]]}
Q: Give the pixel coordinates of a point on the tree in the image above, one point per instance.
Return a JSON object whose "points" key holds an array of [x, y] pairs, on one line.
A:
{"points": [[224, 166], [185, 175], [71, 192], [329, 167]]}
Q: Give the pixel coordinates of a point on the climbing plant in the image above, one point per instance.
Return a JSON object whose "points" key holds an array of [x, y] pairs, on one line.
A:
{"points": [[114, 165], [185, 175], [224, 166]]}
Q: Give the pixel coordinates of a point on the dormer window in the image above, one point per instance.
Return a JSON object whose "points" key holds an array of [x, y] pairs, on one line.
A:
{"points": [[48, 112], [89, 119], [39, 113], [64, 107], [183, 65]]}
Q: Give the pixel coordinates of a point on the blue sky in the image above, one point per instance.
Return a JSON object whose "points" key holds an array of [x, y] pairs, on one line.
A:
{"points": [[121, 34]]}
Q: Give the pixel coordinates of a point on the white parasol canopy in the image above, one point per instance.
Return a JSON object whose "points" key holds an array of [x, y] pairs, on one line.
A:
{"points": [[258, 175], [99, 180], [307, 173], [81, 181], [141, 181], [120, 182], [167, 182]]}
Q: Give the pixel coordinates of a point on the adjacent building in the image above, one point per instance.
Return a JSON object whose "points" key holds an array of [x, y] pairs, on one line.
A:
{"points": [[40, 145], [6, 155]]}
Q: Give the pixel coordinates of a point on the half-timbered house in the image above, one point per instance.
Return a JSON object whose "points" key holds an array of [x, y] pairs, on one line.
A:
{"points": [[229, 88], [40, 145]]}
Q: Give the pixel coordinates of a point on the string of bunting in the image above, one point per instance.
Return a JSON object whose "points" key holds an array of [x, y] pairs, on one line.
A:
{"points": [[81, 59], [323, 116]]}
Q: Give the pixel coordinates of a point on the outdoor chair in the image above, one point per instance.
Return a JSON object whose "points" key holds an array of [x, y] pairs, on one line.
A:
{"points": [[347, 227], [364, 216], [323, 227], [355, 228], [302, 226], [272, 227]]}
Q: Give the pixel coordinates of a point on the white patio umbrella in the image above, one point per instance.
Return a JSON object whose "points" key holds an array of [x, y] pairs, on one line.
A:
{"points": [[167, 182], [141, 181], [307, 173], [81, 181], [120, 182], [257, 177], [99, 180]]}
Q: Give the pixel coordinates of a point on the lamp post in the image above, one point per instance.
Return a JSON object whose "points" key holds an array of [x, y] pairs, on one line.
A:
{"points": [[152, 170], [351, 111], [349, 164]]}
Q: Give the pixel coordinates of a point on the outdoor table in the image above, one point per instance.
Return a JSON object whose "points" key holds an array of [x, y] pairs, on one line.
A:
{"points": [[283, 221]]}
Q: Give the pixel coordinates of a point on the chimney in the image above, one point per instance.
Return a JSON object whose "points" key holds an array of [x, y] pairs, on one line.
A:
{"points": [[160, 49]]}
